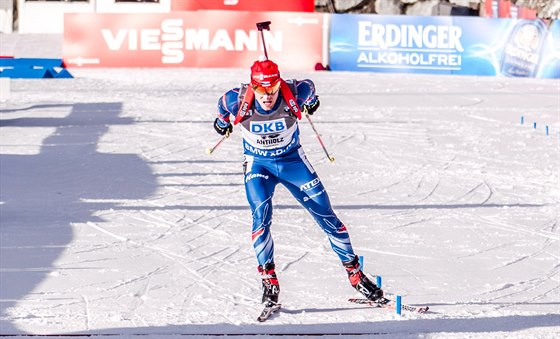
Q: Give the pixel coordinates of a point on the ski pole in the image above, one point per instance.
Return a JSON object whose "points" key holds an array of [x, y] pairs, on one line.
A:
{"points": [[330, 157], [266, 25], [211, 150], [260, 27]]}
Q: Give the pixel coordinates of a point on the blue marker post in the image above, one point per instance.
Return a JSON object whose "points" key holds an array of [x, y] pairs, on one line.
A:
{"points": [[547, 130], [399, 305], [377, 278], [535, 125], [522, 120]]}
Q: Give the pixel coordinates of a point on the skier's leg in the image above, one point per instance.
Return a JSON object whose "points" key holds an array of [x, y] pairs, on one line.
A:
{"points": [[305, 185], [361, 282], [259, 189], [302, 181], [270, 285]]}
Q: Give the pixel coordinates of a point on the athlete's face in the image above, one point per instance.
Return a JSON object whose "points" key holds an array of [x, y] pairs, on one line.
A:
{"points": [[266, 100]]}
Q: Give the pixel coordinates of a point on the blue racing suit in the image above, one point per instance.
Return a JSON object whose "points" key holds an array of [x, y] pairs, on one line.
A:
{"points": [[273, 155]]}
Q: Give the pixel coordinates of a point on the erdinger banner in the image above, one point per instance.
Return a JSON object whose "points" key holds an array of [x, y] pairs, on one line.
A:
{"points": [[445, 45], [192, 39]]}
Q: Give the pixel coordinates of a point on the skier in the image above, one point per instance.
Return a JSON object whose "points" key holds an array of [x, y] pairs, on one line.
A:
{"points": [[267, 111]]}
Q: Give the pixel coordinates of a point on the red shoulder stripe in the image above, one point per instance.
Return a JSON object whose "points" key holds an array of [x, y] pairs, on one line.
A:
{"points": [[245, 105]]}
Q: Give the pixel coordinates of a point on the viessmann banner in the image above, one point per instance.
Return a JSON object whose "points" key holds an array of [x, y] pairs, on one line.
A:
{"points": [[445, 45], [192, 39], [244, 5]]}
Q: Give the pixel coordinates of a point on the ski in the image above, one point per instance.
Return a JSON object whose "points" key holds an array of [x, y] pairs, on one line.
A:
{"points": [[389, 304], [268, 310]]}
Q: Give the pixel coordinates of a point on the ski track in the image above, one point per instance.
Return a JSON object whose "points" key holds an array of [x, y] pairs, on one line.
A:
{"points": [[453, 203], [171, 256], [518, 228]]}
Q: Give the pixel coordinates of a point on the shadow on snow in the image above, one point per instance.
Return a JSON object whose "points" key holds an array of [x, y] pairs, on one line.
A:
{"points": [[43, 194]]}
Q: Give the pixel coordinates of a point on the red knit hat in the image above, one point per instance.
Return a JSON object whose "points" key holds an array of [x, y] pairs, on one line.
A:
{"points": [[264, 74]]}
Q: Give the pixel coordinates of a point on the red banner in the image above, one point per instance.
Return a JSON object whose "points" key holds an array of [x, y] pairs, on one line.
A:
{"points": [[244, 5], [192, 39]]}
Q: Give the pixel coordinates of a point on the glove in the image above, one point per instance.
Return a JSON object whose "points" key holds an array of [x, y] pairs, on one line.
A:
{"points": [[222, 130], [312, 106]]}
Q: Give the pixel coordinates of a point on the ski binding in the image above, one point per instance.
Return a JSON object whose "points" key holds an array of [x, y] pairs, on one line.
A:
{"points": [[389, 304], [269, 309]]}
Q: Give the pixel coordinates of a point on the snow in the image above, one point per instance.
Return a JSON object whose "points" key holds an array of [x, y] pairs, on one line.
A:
{"points": [[114, 220]]}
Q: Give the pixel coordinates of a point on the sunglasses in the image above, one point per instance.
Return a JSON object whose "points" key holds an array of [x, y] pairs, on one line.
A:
{"points": [[266, 90]]}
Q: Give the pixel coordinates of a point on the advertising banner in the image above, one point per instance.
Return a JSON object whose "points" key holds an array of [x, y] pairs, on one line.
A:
{"points": [[128, 40], [222, 39], [294, 42], [444, 45], [244, 5]]}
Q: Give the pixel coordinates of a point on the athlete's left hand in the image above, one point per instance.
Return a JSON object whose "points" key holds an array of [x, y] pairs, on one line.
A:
{"points": [[312, 106]]}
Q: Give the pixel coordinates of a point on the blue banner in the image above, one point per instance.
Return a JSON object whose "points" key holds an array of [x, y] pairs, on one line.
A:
{"points": [[445, 45]]}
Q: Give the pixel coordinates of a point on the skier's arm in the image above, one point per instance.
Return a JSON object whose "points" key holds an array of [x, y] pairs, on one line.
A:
{"points": [[227, 106], [306, 96]]}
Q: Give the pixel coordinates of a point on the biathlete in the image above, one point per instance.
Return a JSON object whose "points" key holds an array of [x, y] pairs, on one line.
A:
{"points": [[267, 111]]}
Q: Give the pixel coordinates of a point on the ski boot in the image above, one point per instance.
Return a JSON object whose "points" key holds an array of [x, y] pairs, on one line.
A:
{"points": [[361, 282], [270, 286]]}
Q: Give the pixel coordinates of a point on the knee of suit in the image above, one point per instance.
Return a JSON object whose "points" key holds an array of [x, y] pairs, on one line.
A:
{"points": [[262, 215], [331, 225]]}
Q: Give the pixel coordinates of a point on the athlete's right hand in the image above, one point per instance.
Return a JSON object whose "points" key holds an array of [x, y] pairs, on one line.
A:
{"points": [[222, 127]]}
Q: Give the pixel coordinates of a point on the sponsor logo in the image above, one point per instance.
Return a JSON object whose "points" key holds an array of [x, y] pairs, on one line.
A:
{"points": [[305, 199], [309, 185], [294, 105], [80, 61], [244, 109], [409, 46], [409, 36], [522, 52], [256, 151], [172, 39], [303, 21], [270, 140], [254, 176], [363, 289], [267, 127], [261, 77], [264, 153]]}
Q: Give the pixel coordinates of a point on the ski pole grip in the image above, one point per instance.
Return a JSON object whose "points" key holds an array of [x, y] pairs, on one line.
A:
{"points": [[263, 25], [399, 305]]}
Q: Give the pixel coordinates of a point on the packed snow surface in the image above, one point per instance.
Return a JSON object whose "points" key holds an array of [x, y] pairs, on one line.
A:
{"points": [[115, 221]]}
